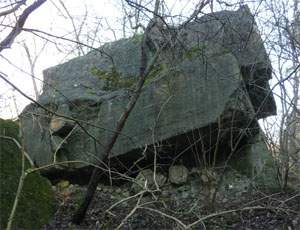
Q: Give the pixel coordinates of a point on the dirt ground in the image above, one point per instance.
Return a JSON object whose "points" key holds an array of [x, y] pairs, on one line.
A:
{"points": [[174, 209]]}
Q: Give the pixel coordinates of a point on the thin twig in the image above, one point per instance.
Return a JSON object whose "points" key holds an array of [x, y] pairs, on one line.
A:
{"points": [[6, 42], [236, 210], [19, 191], [166, 215], [13, 9], [20, 147], [131, 212]]}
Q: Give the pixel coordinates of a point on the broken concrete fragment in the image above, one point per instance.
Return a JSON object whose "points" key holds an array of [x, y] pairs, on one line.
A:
{"points": [[146, 180], [178, 174], [60, 126]]}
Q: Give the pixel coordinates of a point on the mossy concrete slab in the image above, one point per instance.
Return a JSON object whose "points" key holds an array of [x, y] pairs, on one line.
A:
{"points": [[208, 73], [36, 205]]}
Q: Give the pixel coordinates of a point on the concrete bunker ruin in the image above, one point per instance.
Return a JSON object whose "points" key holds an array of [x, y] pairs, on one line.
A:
{"points": [[200, 105]]}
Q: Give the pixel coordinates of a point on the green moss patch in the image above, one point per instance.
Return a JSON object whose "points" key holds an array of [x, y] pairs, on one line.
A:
{"points": [[114, 80], [36, 205]]}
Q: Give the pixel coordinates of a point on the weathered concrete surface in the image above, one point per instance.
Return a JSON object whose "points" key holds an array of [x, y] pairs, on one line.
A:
{"points": [[206, 90]]}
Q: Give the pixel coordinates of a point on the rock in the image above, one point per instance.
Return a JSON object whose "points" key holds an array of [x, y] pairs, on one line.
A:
{"points": [[195, 172], [225, 200], [296, 222], [126, 194], [185, 195], [178, 174], [219, 78], [183, 188], [60, 126], [208, 176], [234, 184], [118, 190], [145, 179], [204, 178], [165, 193], [63, 184], [196, 186], [37, 204]]}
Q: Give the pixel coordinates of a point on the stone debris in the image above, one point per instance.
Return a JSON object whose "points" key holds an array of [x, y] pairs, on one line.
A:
{"points": [[178, 174]]}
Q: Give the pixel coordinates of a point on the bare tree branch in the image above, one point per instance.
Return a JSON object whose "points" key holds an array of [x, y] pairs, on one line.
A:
{"points": [[32, 61], [145, 69], [13, 9], [77, 32], [7, 42]]}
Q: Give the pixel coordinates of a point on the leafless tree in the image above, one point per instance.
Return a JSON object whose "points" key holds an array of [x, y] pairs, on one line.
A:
{"points": [[32, 60], [145, 68], [16, 28], [285, 50]]}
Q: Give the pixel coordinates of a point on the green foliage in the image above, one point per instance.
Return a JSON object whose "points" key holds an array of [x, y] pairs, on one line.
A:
{"points": [[195, 51], [155, 72], [9, 128], [203, 52], [36, 204], [113, 79], [137, 38]]}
